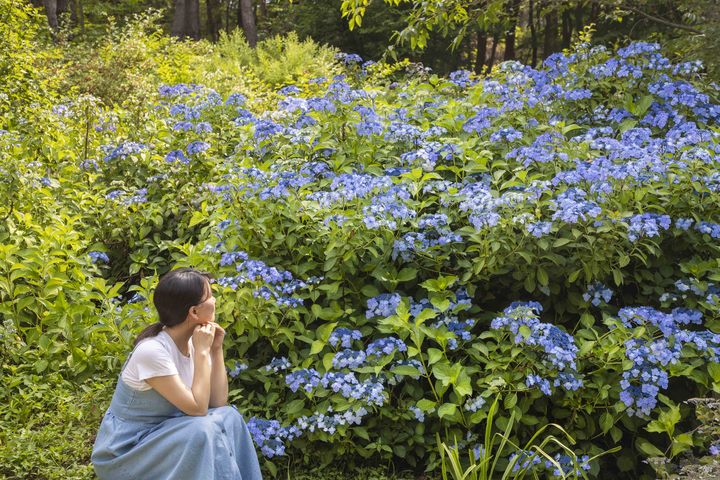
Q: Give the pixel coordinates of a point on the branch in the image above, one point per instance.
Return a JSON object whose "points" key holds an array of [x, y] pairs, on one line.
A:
{"points": [[663, 21]]}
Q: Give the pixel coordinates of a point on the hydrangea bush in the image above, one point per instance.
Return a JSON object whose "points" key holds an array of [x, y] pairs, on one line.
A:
{"points": [[389, 256]]}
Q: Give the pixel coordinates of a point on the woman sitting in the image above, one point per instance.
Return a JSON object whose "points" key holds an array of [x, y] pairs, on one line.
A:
{"points": [[169, 418]]}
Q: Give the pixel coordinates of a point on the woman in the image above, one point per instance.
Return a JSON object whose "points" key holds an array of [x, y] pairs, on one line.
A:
{"points": [[168, 418]]}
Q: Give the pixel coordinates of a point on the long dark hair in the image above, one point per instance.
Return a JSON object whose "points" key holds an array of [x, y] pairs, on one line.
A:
{"points": [[176, 292]]}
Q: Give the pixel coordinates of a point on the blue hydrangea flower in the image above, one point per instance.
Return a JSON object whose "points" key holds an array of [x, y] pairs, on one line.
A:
{"points": [[383, 305], [597, 294], [307, 378], [385, 346], [197, 147], [99, 257], [348, 358], [344, 336]]}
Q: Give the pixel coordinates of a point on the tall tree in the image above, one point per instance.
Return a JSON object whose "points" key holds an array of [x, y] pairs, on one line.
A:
{"points": [[186, 19], [513, 9], [214, 22], [246, 17], [53, 9], [481, 51], [550, 35], [533, 33]]}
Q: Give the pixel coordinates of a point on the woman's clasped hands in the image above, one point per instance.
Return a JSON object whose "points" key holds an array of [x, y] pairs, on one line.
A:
{"points": [[208, 337]]}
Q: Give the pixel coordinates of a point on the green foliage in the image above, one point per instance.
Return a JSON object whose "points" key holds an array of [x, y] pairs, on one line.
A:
{"points": [[126, 64], [48, 425], [276, 61], [23, 68]]}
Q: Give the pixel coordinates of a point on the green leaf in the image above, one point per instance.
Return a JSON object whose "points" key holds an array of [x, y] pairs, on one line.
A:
{"points": [[648, 448], [681, 443], [327, 361], [560, 242], [407, 274], [361, 432], [370, 291], [295, 406], [525, 331], [714, 371], [606, 422], [542, 277], [317, 347], [407, 370], [447, 410], [41, 365], [434, 355], [426, 405]]}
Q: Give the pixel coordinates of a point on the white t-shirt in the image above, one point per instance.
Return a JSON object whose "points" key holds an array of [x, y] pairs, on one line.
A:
{"points": [[155, 357]]}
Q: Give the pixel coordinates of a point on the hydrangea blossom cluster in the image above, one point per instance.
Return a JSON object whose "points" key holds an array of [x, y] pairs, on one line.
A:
{"points": [[270, 436], [558, 349], [642, 383], [279, 285], [99, 257], [383, 305], [306, 378], [344, 337], [434, 232], [531, 461], [348, 358], [475, 404], [278, 364], [385, 346], [237, 368], [140, 196], [597, 294], [647, 225], [124, 150], [368, 392], [417, 412], [329, 423], [571, 206]]}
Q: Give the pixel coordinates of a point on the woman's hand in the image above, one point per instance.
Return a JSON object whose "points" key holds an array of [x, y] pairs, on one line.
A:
{"points": [[219, 337], [203, 337]]}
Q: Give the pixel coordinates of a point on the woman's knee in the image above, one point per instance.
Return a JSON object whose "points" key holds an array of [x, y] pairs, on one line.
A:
{"points": [[204, 427], [227, 411]]}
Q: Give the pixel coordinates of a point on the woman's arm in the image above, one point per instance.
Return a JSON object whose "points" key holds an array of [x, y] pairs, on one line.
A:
{"points": [[218, 379], [191, 401]]}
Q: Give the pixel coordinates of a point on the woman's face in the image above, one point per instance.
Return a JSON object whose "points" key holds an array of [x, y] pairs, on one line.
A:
{"points": [[205, 310]]}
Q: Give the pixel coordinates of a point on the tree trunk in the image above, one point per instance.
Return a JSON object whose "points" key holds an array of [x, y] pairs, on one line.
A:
{"points": [[247, 19], [192, 18], [566, 29], [533, 33], [594, 12], [213, 19], [513, 9], [186, 19], [550, 34], [178, 23], [481, 52], [579, 8], [52, 10], [227, 16], [491, 61]]}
